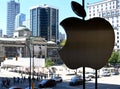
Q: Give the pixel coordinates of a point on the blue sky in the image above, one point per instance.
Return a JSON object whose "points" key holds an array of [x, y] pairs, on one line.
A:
{"points": [[64, 7]]}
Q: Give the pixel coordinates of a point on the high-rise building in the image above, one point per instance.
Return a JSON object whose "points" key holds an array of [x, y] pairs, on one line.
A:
{"points": [[13, 8], [1, 32], [26, 23], [110, 10], [44, 22], [61, 36], [19, 20]]}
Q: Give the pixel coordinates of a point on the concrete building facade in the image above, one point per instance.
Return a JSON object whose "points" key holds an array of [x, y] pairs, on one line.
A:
{"points": [[23, 45]]}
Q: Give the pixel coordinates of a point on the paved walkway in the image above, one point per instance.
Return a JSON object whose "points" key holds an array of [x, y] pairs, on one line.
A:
{"points": [[6, 75]]}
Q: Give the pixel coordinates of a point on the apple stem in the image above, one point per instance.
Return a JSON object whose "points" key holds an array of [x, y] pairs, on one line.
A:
{"points": [[83, 3]]}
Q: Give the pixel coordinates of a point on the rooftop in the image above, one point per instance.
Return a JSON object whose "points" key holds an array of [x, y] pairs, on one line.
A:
{"points": [[22, 28]]}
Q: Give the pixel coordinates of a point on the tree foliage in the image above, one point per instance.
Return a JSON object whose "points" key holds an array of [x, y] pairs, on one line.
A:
{"points": [[115, 58], [49, 62], [62, 43]]}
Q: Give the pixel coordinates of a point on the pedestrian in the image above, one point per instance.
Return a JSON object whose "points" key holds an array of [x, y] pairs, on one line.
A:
{"points": [[3, 82], [14, 80], [17, 79], [28, 78], [24, 79]]}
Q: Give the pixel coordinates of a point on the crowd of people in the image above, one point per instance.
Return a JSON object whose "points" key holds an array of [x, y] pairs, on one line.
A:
{"points": [[7, 82]]}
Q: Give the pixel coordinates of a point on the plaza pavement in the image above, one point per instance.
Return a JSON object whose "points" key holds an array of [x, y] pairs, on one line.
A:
{"points": [[112, 80], [9, 75]]}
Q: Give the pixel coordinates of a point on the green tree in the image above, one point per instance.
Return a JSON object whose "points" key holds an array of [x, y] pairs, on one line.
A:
{"points": [[119, 58], [49, 62], [115, 58], [62, 43]]}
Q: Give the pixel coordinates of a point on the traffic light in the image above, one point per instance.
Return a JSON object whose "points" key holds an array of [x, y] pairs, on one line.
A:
{"points": [[16, 58]]}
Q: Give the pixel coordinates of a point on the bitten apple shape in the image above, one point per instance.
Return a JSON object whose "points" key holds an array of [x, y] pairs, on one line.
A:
{"points": [[89, 42]]}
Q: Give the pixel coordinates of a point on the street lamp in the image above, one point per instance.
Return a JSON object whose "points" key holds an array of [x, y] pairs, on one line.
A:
{"points": [[31, 84], [31, 39], [33, 62], [30, 66]]}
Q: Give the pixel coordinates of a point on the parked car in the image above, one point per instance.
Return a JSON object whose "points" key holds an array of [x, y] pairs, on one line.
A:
{"points": [[76, 80], [47, 83], [57, 79], [88, 76], [15, 87], [31, 88], [93, 75], [106, 73], [115, 73]]}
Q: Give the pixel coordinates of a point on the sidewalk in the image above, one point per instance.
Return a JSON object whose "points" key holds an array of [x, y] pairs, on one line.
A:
{"points": [[9, 75]]}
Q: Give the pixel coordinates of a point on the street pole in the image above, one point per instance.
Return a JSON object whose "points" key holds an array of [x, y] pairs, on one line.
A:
{"points": [[33, 62], [96, 74], [83, 3], [30, 66], [83, 77]]}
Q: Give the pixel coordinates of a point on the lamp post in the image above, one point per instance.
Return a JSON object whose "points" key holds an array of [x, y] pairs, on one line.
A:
{"points": [[32, 47], [33, 62], [30, 66], [31, 84]]}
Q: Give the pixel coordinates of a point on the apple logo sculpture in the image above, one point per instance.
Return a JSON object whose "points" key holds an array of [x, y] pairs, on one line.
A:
{"points": [[89, 42]]}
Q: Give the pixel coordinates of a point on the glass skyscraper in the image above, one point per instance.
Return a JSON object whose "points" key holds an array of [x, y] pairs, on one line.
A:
{"points": [[1, 32], [19, 20], [13, 8], [44, 22]]}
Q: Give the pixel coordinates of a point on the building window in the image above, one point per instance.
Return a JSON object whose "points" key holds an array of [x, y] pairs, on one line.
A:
{"points": [[117, 41], [117, 46], [117, 37], [97, 6], [21, 33], [106, 4], [97, 10], [112, 13], [113, 2], [112, 21], [90, 15], [99, 15], [110, 7], [110, 3], [89, 8], [117, 24], [117, 33], [113, 7]]}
